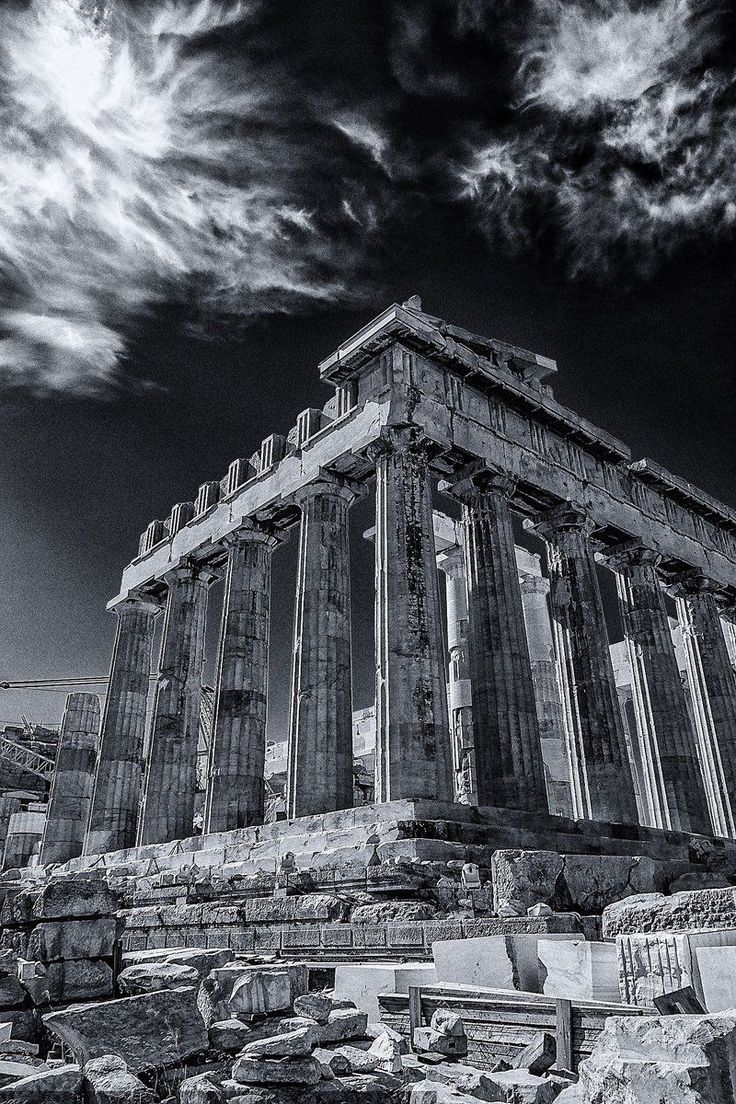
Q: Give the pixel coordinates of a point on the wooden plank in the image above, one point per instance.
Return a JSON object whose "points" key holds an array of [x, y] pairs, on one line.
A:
{"points": [[563, 1034], [415, 1010]]}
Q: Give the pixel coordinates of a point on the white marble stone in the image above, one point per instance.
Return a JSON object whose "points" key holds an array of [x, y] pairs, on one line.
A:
{"points": [[493, 961], [653, 963], [578, 970], [361, 983], [716, 968]]}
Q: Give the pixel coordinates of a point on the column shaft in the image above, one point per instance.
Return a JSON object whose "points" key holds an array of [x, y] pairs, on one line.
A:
{"points": [[320, 749], [71, 787], [713, 690], [460, 704], [602, 786], [508, 752], [113, 818], [412, 739], [235, 783], [550, 714], [171, 776], [670, 766]]}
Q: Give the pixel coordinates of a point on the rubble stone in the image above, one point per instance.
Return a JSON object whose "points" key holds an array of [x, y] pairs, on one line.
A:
{"points": [[54, 940], [151, 1031], [277, 1071], [315, 1005], [343, 1023], [230, 1035], [290, 1044], [199, 959], [152, 976], [653, 912], [199, 1090], [261, 991], [50, 1086], [107, 1080]]}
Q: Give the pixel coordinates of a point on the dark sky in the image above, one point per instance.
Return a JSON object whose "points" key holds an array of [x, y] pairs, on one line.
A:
{"points": [[551, 175]]}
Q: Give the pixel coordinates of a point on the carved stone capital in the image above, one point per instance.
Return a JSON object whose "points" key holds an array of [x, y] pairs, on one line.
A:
{"points": [[329, 484], [251, 531], [690, 584], [533, 584], [138, 603], [190, 571], [404, 438], [628, 554], [479, 478], [560, 520]]}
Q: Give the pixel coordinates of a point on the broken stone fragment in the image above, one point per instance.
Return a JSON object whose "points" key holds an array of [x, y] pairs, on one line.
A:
{"points": [[230, 1035], [261, 991], [360, 1061], [55, 940], [334, 1060], [539, 910], [12, 992], [55, 1086], [149, 1032], [291, 1044], [107, 1080], [427, 1039], [387, 1051], [201, 960], [376, 1030], [78, 980], [200, 1090], [539, 1055], [12, 1070], [343, 1023], [159, 975], [277, 1071], [447, 1022], [315, 1005]]}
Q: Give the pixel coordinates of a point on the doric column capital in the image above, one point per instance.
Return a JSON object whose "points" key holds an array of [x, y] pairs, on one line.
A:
{"points": [[452, 561], [691, 583], [728, 612], [561, 520], [251, 531], [479, 478], [138, 603], [628, 554], [533, 584], [190, 571], [329, 484], [403, 438]]}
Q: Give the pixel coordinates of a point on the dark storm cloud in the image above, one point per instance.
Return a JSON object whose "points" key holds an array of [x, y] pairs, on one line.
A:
{"points": [[245, 158]]}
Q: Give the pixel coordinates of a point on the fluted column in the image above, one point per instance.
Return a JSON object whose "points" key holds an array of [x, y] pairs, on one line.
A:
{"points": [[602, 786], [550, 714], [713, 691], [460, 705], [413, 757], [670, 764], [113, 817], [171, 770], [320, 748], [71, 787], [508, 752], [235, 777]]}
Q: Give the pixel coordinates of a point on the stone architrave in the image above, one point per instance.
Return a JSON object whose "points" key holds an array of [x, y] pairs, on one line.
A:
{"points": [[71, 787], [508, 752], [413, 756], [171, 776], [670, 766], [550, 716], [320, 746], [602, 785], [460, 700], [235, 782], [113, 817], [713, 693]]}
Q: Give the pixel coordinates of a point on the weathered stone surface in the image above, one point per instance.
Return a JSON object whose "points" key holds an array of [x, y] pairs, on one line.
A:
{"points": [[523, 878], [69, 897], [429, 1039], [501, 962], [12, 992], [200, 959], [654, 963], [152, 976], [12, 1070], [538, 1056], [315, 1005], [73, 780], [277, 1071], [49, 942], [261, 991], [653, 912], [335, 1061], [290, 1044], [387, 1050], [448, 1022], [55, 1086], [662, 1060], [360, 1061], [78, 979], [151, 1031], [229, 1035], [343, 1023], [362, 982], [578, 969], [200, 1090], [107, 1080], [399, 912]]}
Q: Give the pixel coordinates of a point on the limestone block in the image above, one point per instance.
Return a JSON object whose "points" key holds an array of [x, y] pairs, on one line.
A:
{"points": [[148, 1032], [363, 982], [662, 1060], [716, 972], [199, 1090], [290, 1044], [69, 898], [277, 1071], [524, 878], [343, 1023], [201, 959], [49, 1086], [156, 975], [12, 992], [400, 912], [578, 969], [387, 1050], [261, 991], [493, 961], [107, 1080], [230, 1035], [359, 1061], [434, 1092], [12, 1070], [334, 1060], [653, 912], [51, 941], [429, 1039], [315, 1005], [654, 963], [78, 979]]}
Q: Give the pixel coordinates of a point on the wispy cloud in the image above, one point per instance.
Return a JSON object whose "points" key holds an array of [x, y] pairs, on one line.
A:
{"points": [[621, 140], [140, 161]]}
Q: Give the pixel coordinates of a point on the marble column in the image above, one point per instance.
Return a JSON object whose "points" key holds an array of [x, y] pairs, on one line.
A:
{"points": [[508, 752], [320, 747], [71, 787], [413, 758], [113, 817], [671, 771], [713, 692], [550, 714], [235, 776], [451, 561], [171, 774], [602, 785]]}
